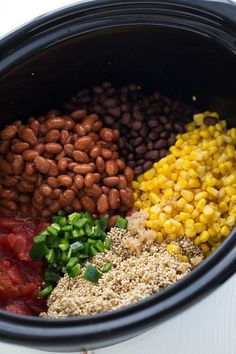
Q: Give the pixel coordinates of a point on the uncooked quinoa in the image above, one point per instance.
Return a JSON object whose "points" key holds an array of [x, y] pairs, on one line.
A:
{"points": [[129, 280]]}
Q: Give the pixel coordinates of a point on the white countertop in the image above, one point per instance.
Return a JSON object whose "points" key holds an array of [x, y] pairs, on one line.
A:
{"points": [[208, 327]]}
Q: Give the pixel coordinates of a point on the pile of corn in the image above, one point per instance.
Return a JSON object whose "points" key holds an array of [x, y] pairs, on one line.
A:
{"points": [[192, 191]]}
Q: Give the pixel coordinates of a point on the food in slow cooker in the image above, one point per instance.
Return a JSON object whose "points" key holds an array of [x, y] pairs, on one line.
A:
{"points": [[116, 199]]}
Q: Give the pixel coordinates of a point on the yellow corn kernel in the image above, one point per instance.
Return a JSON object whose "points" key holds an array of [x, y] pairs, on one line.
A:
{"points": [[172, 226], [213, 191], [140, 178], [153, 216], [229, 180], [208, 211], [225, 167], [187, 195], [230, 190], [149, 174], [201, 204], [232, 133], [135, 185], [167, 209], [199, 227], [181, 203], [231, 220], [138, 204], [159, 237], [204, 247], [200, 195], [224, 231], [223, 206], [197, 241], [173, 248], [198, 118], [195, 214], [203, 219], [193, 183], [189, 223], [154, 198], [189, 208], [189, 232], [136, 196], [184, 258]]}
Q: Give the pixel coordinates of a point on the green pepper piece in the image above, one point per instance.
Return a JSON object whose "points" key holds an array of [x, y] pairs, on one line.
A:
{"points": [[73, 261], [38, 251], [97, 229], [100, 246], [103, 236], [83, 256], [91, 274], [89, 217], [67, 228], [78, 233], [80, 223], [121, 223], [86, 248], [41, 237], [73, 271], [76, 246], [51, 276], [53, 229], [64, 244], [93, 252], [62, 221], [103, 222], [107, 267], [107, 243], [74, 217], [46, 291], [50, 256], [91, 241]]}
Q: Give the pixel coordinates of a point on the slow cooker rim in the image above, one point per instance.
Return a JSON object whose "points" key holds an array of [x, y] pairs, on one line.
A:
{"points": [[225, 261]]}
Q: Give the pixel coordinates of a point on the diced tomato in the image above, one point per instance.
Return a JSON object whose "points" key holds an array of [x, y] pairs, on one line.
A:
{"points": [[20, 277]]}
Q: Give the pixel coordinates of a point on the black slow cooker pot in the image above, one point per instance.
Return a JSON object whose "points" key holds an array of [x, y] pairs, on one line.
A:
{"points": [[183, 48]]}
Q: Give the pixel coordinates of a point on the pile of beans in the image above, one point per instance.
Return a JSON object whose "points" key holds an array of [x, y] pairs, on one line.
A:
{"points": [[65, 162], [147, 124]]}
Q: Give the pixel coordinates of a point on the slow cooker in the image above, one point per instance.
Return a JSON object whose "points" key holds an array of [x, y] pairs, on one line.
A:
{"points": [[187, 49]]}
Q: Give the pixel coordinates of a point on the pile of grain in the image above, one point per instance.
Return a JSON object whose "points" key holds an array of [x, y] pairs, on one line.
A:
{"points": [[134, 276]]}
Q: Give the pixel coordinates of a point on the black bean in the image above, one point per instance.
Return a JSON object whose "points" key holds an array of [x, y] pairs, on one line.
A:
{"points": [[152, 155], [147, 165], [210, 121], [130, 157], [153, 135], [172, 139], [108, 120], [138, 170], [99, 110], [153, 123], [140, 162], [109, 102], [114, 111], [163, 153], [131, 163], [141, 150], [165, 134], [179, 127], [137, 115], [163, 119], [159, 128], [137, 141], [150, 145], [144, 131], [161, 143], [97, 90], [126, 118], [136, 125]]}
